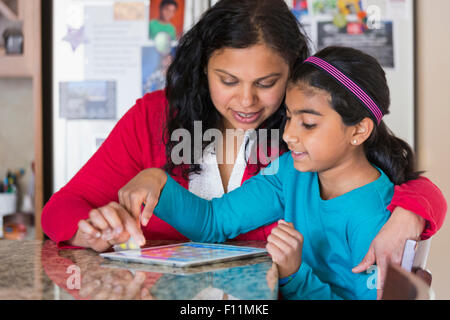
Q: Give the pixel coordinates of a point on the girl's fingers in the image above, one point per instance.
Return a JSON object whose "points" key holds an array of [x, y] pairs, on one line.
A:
{"points": [[123, 196], [288, 236], [136, 200], [275, 252], [285, 223], [281, 243], [126, 201], [86, 228], [367, 261], [150, 204], [131, 226], [289, 228], [120, 194]]}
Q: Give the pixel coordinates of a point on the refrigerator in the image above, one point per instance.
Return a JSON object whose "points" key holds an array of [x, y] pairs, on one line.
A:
{"points": [[105, 57]]}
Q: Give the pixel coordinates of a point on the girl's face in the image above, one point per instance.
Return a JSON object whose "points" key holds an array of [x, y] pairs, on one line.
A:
{"points": [[314, 131], [247, 85]]}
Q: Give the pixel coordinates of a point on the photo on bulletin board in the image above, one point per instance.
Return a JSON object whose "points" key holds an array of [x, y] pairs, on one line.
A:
{"points": [[361, 24], [155, 63], [129, 11], [376, 42], [324, 7], [166, 16], [87, 100]]}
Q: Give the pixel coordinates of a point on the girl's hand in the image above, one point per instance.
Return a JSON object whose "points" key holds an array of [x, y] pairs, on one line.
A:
{"points": [[285, 246], [145, 188], [107, 226], [388, 245]]}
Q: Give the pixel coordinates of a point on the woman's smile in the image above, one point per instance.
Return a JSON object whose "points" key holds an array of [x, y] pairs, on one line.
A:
{"points": [[244, 117]]}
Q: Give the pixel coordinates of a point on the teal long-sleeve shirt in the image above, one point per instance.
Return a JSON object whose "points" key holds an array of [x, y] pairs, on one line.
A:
{"points": [[337, 233]]}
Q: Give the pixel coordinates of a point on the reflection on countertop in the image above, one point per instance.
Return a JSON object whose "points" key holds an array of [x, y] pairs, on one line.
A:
{"points": [[39, 270]]}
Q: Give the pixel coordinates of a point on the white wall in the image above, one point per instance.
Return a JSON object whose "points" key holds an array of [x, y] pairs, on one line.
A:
{"points": [[433, 115]]}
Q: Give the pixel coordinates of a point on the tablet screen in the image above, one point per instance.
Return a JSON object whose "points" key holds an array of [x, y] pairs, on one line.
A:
{"points": [[186, 254]]}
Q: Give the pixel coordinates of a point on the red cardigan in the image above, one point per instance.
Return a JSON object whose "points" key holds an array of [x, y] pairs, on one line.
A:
{"points": [[135, 144]]}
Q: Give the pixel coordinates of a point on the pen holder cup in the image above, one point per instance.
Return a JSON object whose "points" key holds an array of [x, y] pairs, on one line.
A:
{"points": [[8, 203]]}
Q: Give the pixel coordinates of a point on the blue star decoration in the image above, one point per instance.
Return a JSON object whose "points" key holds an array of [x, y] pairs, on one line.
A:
{"points": [[75, 37]]}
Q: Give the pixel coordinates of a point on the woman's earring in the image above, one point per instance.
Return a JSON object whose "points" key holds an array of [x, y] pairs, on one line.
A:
{"points": [[355, 141]]}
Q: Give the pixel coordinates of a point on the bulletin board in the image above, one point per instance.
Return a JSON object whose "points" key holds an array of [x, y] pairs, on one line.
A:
{"points": [[105, 57]]}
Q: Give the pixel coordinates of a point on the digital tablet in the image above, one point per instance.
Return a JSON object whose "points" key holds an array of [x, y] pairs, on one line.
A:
{"points": [[186, 254]]}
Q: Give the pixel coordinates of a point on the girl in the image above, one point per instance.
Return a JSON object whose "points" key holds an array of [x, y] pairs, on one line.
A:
{"points": [[331, 190], [230, 72]]}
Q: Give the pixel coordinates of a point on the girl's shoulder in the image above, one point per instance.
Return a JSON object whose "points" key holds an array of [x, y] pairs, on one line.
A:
{"points": [[370, 203], [383, 187]]}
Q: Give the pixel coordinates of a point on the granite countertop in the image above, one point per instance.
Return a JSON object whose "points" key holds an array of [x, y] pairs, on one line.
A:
{"points": [[33, 269]]}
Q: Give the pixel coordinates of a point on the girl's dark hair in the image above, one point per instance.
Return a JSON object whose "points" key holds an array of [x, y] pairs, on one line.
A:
{"points": [[391, 154], [232, 24]]}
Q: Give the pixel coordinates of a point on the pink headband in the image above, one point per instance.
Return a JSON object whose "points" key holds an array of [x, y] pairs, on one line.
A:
{"points": [[349, 84]]}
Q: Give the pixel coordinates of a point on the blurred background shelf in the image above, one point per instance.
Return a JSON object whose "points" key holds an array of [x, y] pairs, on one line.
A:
{"points": [[26, 15]]}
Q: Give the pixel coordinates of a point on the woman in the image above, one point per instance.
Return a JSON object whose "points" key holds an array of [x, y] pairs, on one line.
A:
{"points": [[230, 72]]}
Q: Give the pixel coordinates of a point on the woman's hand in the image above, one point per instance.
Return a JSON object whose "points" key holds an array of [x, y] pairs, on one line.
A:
{"points": [[388, 245], [145, 188], [107, 226], [285, 245]]}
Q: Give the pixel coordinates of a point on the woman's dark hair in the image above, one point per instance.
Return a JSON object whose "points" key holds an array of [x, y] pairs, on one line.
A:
{"points": [[232, 24], [391, 154]]}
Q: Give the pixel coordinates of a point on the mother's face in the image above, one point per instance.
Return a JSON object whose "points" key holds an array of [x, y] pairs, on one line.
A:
{"points": [[247, 85]]}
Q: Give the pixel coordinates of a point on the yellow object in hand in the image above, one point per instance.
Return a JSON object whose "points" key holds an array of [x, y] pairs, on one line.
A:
{"points": [[129, 245]]}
